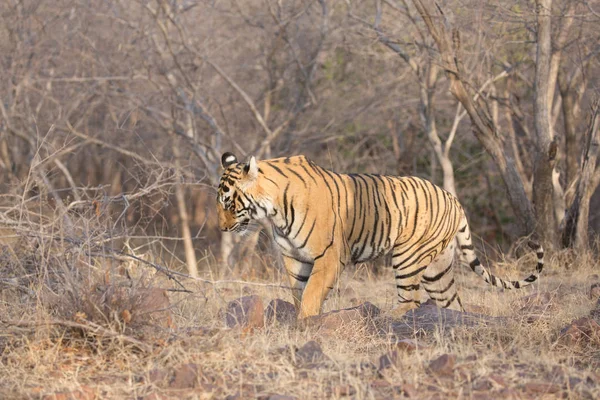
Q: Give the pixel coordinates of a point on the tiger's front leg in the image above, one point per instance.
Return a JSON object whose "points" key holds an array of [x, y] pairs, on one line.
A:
{"points": [[298, 274], [325, 273]]}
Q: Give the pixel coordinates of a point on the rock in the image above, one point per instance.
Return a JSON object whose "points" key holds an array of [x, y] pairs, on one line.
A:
{"points": [[595, 291], [443, 365], [428, 318], [379, 383], [360, 317], [542, 387], [344, 390], [310, 355], [156, 376], [246, 312], [281, 312], [410, 391], [573, 381], [279, 397], [483, 385], [185, 377], [367, 367], [498, 381], [388, 360], [152, 305], [490, 382], [595, 313], [581, 331], [84, 393], [408, 345]]}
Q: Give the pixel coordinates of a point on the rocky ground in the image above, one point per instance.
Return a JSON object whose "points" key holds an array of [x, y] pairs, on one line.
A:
{"points": [[235, 340]]}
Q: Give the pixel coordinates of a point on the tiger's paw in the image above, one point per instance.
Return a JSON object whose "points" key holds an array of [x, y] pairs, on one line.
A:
{"points": [[399, 310]]}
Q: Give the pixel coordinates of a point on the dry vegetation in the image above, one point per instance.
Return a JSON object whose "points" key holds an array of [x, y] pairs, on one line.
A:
{"points": [[81, 322], [113, 117]]}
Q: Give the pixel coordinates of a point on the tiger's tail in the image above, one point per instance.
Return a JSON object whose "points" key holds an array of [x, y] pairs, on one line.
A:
{"points": [[468, 253]]}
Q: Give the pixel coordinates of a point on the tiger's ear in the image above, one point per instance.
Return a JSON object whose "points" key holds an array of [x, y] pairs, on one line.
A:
{"points": [[251, 169], [227, 159]]}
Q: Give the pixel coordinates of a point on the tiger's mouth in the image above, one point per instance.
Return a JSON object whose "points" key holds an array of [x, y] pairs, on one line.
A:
{"points": [[238, 227]]}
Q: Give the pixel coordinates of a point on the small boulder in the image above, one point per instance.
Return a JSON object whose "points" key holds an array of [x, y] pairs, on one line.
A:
{"points": [[595, 291], [185, 377], [408, 345], [429, 318], [595, 313], [281, 312], [246, 312], [360, 317], [311, 355], [443, 365], [344, 390], [388, 360]]}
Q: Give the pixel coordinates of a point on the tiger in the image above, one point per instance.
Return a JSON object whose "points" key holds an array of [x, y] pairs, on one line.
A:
{"points": [[324, 221]]}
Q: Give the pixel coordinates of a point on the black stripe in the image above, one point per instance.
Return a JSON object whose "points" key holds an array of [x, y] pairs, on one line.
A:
{"points": [[410, 274], [308, 173], [438, 276], [408, 287], [297, 175], [540, 267], [403, 301], [450, 301], [278, 170], [298, 277], [272, 181], [303, 222], [308, 235], [292, 218], [440, 290]]}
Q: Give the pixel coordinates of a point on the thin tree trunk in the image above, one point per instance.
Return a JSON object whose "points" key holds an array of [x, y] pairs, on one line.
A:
{"points": [[514, 145], [546, 146], [568, 110], [575, 233], [188, 245]]}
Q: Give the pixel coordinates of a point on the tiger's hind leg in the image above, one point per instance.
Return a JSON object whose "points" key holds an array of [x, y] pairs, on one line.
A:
{"points": [[438, 280], [408, 278]]}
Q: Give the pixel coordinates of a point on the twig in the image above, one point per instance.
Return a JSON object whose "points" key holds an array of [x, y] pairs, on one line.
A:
{"points": [[171, 274]]}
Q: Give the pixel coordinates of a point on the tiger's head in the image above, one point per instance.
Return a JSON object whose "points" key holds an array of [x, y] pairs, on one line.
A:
{"points": [[240, 195]]}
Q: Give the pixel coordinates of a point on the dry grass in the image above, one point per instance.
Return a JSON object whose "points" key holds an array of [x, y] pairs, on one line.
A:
{"points": [[65, 328]]}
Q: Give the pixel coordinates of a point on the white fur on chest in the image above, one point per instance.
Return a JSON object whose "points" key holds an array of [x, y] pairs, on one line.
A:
{"points": [[290, 247]]}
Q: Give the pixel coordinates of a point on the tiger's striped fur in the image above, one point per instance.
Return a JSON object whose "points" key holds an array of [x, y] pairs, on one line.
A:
{"points": [[324, 221]]}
